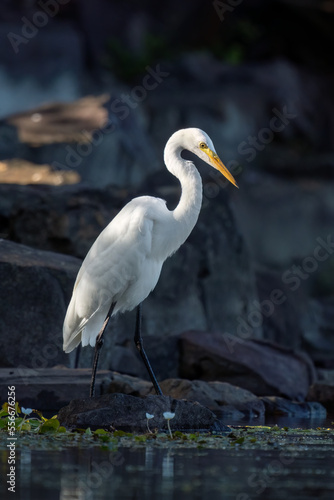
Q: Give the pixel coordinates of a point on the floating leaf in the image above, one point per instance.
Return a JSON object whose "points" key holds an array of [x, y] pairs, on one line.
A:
{"points": [[240, 440], [99, 431], [18, 422], [180, 435], [50, 425], [141, 439], [35, 423], [275, 428], [122, 434], [25, 426]]}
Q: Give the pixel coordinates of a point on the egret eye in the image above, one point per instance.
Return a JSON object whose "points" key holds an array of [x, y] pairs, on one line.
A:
{"points": [[202, 145]]}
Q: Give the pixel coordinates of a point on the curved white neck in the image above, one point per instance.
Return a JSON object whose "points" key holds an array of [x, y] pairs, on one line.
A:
{"points": [[186, 213]]}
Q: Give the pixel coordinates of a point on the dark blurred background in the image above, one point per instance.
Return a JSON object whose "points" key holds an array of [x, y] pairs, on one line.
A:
{"points": [[90, 92]]}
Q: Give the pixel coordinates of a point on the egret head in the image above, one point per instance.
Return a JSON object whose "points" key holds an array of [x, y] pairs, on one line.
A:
{"points": [[199, 143]]}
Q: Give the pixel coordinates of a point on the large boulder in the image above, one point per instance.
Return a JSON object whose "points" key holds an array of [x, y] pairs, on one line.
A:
{"points": [[35, 290], [65, 219], [261, 367]]}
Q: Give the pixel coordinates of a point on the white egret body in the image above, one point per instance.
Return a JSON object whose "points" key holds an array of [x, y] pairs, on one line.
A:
{"points": [[124, 264]]}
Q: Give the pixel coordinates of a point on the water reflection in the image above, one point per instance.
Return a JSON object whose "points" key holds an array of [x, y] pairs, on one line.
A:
{"points": [[174, 473]]}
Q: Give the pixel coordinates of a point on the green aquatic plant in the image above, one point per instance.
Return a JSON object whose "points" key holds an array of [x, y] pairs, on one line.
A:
{"points": [[35, 424], [34, 431]]}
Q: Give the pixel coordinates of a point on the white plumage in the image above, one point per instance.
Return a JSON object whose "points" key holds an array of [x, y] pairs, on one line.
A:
{"points": [[124, 264]]}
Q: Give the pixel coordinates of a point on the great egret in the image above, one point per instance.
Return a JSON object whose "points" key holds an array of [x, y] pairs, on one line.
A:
{"points": [[124, 263]]}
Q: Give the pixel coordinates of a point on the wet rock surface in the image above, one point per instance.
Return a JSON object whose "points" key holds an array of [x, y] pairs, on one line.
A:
{"points": [[128, 413], [282, 407], [229, 400]]}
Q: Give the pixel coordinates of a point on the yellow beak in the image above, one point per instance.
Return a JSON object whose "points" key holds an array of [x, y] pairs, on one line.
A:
{"points": [[219, 165]]}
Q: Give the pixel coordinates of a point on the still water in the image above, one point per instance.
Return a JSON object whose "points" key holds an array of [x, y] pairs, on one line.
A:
{"points": [[174, 472]]}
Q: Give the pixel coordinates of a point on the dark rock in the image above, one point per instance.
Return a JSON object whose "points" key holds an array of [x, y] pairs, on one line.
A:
{"points": [[325, 376], [10, 144], [165, 353], [322, 393], [65, 219], [79, 136], [279, 310], [27, 64], [265, 199], [310, 320], [231, 401], [261, 367], [279, 406], [126, 384], [35, 289], [318, 332], [322, 390], [226, 97], [125, 359], [49, 389], [128, 413]]}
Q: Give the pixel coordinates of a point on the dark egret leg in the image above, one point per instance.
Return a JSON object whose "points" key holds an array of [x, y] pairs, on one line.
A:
{"points": [[77, 356], [139, 344], [98, 345]]}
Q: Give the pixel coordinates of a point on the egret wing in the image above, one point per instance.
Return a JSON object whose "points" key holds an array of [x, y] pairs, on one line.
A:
{"points": [[111, 270]]}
